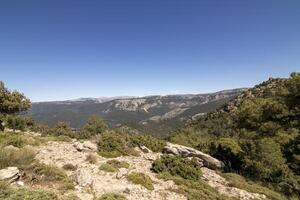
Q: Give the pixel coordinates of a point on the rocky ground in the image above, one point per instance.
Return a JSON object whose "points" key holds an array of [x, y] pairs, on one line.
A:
{"points": [[91, 182]]}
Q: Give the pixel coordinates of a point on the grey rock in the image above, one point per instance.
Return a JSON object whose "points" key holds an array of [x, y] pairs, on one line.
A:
{"points": [[88, 145], [9, 174], [83, 178], [122, 173], [180, 150]]}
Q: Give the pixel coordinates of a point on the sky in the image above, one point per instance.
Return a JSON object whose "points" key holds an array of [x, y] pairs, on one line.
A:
{"points": [[66, 49]]}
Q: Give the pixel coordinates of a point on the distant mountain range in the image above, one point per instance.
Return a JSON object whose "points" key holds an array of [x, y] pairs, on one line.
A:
{"points": [[148, 113]]}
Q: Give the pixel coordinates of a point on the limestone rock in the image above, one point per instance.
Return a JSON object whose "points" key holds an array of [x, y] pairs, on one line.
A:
{"points": [[78, 146], [9, 174], [88, 145], [11, 148], [83, 177], [208, 161], [85, 146], [122, 173], [145, 149]]}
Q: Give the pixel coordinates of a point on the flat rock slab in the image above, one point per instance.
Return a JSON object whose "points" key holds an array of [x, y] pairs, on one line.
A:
{"points": [[180, 150], [9, 173]]}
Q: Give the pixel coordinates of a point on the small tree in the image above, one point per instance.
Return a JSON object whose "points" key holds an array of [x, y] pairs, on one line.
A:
{"points": [[11, 102], [95, 125]]}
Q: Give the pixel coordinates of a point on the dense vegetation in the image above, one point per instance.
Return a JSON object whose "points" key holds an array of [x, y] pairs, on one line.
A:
{"points": [[256, 135]]}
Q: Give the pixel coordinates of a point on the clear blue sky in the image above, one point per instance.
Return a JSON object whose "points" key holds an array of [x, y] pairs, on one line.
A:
{"points": [[64, 49]]}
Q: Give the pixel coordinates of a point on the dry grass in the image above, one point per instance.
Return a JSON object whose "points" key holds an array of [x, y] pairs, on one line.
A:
{"points": [[91, 158], [16, 157]]}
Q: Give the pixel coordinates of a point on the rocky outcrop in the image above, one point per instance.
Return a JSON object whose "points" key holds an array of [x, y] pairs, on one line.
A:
{"points": [[85, 146], [9, 174], [180, 150]]}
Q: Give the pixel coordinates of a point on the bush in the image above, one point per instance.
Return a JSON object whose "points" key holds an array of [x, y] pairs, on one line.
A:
{"points": [[113, 165], [195, 190], [229, 151], [18, 122], [112, 196], [107, 168], [149, 141], [94, 126], [47, 174], [238, 181], [17, 140], [177, 166], [16, 157], [141, 179], [70, 167], [25, 194], [118, 164], [62, 129], [112, 144]]}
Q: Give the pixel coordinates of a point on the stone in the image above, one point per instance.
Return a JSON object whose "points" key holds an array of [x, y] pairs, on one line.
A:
{"points": [[78, 146], [11, 148], [180, 150], [88, 145], [145, 149], [20, 183], [83, 177], [122, 173], [85, 146], [9, 174]]}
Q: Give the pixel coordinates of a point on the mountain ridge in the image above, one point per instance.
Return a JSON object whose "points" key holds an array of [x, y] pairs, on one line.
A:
{"points": [[125, 110]]}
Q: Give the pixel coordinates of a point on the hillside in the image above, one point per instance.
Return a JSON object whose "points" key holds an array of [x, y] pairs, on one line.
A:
{"points": [[145, 113], [39, 167], [256, 134]]}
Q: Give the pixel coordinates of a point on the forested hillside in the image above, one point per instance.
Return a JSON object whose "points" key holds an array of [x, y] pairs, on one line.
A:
{"points": [[257, 134]]}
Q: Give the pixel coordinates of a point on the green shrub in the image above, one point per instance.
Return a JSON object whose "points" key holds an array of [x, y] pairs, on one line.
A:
{"points": [[25, 194], [118, 164], [113, 165], [112, 144], [61, 129], [195, 190], [238, 181], [18, 122], [45, 174], [177, 166], [94, 126], [112, 196], [149, 141], [17, 140], [107, 168], [229, 151], [141, 179]]}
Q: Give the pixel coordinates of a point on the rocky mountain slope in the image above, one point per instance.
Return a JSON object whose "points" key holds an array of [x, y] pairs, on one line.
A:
{"points": [[131, 111], [88, 179]]}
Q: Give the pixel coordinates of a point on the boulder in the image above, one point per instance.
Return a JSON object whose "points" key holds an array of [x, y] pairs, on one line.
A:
{"points": [[83, 178], [85, 146], [78, 146], [88, 145], [180, 150], [9, 174], [145, 149]]}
